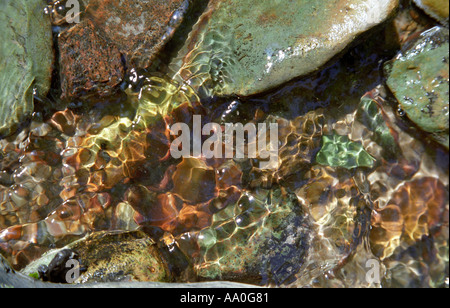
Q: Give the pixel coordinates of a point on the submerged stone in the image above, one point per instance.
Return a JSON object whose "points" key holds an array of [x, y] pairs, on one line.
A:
{"points": [[127, 141], [112, 257], [262, 239], [113, 38], [26, 58], [106, 257], [246, 47], [89, 63], [77, 174], [139, 28], [419, 79], [439, 9], [340, 151], [414, 209]]}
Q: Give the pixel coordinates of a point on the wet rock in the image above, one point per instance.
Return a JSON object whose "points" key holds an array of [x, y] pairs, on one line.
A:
{"points": [[414, 209], [31, 188], [422, 265], [26, 58], [103, 154], [246, 47], [339, 216], [419, 79], [106, 257], [409, 23], [201, 179], [128, 256], [262, 239], [89, 63], [340, 151], [300, 141], [354, 273], [184, 208], [110, 149], [410, 201], [64, 121], [112, 37], [57, 270], [125, 217], [372, 116], [382, 133], [139, 28], [438, 9]]}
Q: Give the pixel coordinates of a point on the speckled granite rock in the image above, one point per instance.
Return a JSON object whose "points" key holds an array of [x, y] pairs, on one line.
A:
{"points": [[11, 279], [112, 257], [89, 63]]}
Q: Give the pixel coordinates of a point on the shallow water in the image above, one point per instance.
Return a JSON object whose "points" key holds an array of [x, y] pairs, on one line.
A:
{"points": [[104, 164]]}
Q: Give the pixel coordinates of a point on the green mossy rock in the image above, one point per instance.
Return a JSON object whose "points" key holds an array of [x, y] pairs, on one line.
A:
{"points": [[112, 257], [26, 58], [419, 79], [245, 47]]}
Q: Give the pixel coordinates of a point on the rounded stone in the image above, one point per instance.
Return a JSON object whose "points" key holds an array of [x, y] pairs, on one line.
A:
{"points": [[418, 77], [26, 58], [246, 47]]}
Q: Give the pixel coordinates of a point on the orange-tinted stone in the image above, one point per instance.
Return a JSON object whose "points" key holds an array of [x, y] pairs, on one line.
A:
{"points": [[89, 63]]}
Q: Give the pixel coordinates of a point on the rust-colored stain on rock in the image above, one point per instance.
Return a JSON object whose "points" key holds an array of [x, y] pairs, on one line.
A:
{"points": [[140, 28], [114, 36], [89, 63]]}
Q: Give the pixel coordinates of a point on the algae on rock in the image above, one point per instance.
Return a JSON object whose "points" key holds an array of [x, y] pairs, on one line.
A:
{"points": [[246, 47], [419, 80], [112, 256], [26, 58]]}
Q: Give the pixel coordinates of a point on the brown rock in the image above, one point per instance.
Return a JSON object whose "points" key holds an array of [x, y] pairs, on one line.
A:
{"points": [[438, 9], [414, 209], [64, 121], [139, 28], [89, 63]]}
